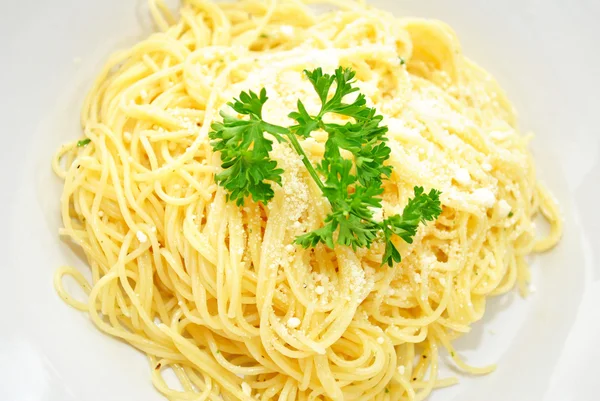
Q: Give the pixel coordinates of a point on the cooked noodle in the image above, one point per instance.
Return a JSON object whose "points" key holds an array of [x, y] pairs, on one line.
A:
{"points": [[218, 293]]}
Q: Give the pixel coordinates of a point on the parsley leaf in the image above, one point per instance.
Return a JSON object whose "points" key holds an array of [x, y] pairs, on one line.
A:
{"points": [[247, 168], [83, 142], [421, 208]]}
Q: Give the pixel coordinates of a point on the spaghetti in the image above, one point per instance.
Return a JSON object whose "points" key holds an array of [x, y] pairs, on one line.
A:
{"points": [[218, 293]]}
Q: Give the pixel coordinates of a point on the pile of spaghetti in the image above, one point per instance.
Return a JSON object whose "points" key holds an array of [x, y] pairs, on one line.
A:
{"points": [[219, 293]]}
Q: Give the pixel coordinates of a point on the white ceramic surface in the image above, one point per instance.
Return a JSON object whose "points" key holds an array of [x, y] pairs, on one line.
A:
{"points": [[545, 53]]}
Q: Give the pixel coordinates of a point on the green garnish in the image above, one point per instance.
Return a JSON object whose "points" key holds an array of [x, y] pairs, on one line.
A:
{"points": [[402, 61], [245, 150], [353, 186], [263, 35], [386, 390], [423, 207], [83, 142], [511, 214]]}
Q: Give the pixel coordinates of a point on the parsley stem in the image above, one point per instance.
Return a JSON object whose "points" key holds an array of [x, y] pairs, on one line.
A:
{"points": [[311, 170]]}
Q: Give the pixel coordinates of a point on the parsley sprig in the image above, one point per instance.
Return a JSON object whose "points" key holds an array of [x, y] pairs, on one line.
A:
{"points": [[245, 150], [353, 186]]}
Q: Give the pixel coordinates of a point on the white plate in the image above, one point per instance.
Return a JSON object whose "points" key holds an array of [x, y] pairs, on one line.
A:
{"points": [[545, 53]]}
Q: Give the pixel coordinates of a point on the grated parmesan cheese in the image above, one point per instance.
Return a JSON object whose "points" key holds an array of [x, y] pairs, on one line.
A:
{"points": [[462, 176], [287, 30], [320, 290], [499, 135], [484, 197], [293, 323], [397, 126], [377, 214], [503, 208], [141, 236]]}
